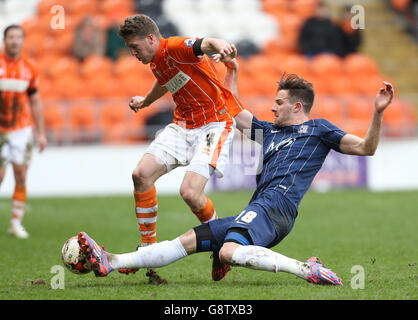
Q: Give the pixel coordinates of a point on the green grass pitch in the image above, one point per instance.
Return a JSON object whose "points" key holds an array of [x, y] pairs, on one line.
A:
{"points": [[376, 231]]}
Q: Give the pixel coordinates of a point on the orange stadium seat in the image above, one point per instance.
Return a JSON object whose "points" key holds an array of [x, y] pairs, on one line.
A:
{"points": [[367, 84], [246, 87], [399, 119], [104, 86], [336, 85], [320, 85], [295, 63], [32, 27], [96, 65], [63, 41], [42, 64], [326, 65], [44, 6], [360, 110], [259, 64], [117, 5], [134, 85], [61, 66], [77, 7], [114, 121], [329, 108], [305, 8], [54, 120], [71, 86], [290, 23], [357, 63], [31, 47], [341, 85], [45, 89], [127, 64], [260, 106], [275, 7], [82, 120]]}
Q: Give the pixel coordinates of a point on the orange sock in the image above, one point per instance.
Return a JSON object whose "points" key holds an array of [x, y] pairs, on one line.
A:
{"points": [[146, 212], [207, 213], [18, 203]]}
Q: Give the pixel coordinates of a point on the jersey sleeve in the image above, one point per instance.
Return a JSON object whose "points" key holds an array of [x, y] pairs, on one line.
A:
{"points": [[181, 49], [331, 135], [257, 129]]}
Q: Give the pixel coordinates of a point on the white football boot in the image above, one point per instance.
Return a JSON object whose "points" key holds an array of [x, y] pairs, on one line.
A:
{"points": [[18, 231]]}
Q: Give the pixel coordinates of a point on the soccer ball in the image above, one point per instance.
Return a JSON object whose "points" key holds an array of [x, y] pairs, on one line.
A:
{"points": [[72, 257]]}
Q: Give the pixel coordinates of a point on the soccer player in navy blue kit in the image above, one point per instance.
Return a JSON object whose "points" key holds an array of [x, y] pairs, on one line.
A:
{"points": [[294, 149]]}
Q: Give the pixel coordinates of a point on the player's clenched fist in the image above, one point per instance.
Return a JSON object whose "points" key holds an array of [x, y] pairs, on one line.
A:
{"points": [[137, 103]]}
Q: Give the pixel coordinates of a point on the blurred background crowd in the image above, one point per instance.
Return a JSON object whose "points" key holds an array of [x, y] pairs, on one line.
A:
{"points": [[88, 76]]}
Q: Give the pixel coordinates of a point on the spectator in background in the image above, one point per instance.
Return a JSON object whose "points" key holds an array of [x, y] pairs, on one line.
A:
{"points": [[320, 35], [89, 39], [152, 8], [115, 46], [351, 37]]}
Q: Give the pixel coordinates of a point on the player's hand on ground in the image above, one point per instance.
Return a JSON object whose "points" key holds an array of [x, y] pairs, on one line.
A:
{"points": [[42, 142], [137, 103], [384, 97]]}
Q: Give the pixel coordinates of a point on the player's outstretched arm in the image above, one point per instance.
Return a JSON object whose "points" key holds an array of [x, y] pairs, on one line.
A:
{"points": [[224, 51], [38, 117], [243, 119], [231, 76], [154, 94], [351, 144]]}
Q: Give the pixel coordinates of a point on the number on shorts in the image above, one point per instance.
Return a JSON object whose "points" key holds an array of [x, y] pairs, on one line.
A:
{"points": [[247, 217]]}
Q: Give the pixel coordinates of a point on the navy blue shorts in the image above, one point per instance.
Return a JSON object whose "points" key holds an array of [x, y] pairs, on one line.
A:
{"points": [[256, 220]]}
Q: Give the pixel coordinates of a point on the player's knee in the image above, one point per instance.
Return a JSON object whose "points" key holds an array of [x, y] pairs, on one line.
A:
{"points": [[225, 254], [189, 195], [141, 176]]}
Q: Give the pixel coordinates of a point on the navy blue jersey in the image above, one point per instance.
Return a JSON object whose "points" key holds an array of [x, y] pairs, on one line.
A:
{"points": [[292, 156]]}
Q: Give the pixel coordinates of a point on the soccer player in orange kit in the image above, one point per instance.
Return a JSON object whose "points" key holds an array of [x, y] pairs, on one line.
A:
{"points": [[20, 106], [203, 127]]}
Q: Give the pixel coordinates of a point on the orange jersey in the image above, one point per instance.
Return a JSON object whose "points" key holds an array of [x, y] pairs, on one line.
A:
{"points": [[17, 80], [194, 83]]}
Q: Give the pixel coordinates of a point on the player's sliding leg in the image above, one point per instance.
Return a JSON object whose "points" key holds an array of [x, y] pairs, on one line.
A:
{"points": [[155, 256], [18, 202], [260, 258]]}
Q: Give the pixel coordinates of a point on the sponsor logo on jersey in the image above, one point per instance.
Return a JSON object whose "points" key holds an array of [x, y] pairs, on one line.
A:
{"points": [[303, 129], [16, 85], [282, 144], [189, 42], [177, 82]]}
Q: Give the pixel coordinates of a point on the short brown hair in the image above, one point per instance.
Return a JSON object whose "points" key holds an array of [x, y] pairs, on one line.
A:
{"points": [[299, 89], [139, 25], [12, 26]]}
